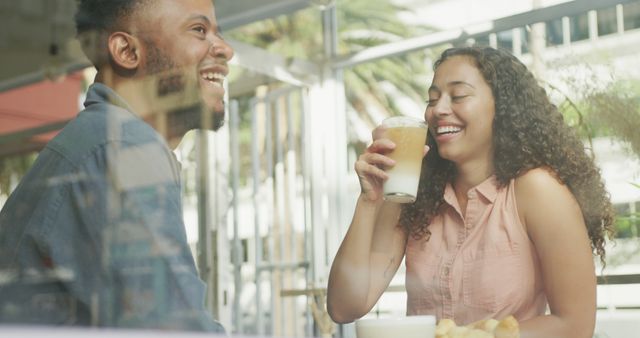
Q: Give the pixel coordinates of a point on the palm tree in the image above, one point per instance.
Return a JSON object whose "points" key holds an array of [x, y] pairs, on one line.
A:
{"points": [[372, 89]]}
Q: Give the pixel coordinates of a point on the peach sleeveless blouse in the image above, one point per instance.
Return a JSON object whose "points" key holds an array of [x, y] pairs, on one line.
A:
{"points": [[477, 266]]}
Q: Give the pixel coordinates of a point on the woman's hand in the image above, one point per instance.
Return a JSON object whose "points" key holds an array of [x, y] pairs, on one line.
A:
{"points": [[372, 165]]}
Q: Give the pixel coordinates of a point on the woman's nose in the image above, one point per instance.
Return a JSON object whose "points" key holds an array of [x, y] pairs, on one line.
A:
{"points": [[436, 109], [441, 107]]}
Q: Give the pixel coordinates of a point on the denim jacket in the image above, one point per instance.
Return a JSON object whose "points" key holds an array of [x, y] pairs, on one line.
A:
{"points": [[94, 236]]}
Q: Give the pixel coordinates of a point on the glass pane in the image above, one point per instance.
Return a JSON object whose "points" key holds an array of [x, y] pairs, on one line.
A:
{"points": [[607, 23], [482, 40], [554, 32], [625, 226], [505, 40], [579, 27], [525, 39], [622, 209], [631, 16]]}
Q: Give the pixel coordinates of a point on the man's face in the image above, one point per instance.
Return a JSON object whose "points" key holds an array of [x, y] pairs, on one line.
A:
{"points": [[183, 36]]}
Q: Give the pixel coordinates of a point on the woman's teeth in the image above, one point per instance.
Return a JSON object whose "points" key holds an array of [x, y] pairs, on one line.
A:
{"points": [[447, 130]]}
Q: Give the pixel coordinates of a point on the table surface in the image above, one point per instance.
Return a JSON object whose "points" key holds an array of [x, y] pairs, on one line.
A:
{"points": [[72, 332]]}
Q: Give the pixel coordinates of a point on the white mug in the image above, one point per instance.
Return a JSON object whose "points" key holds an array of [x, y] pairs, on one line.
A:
{"points": [[397, 327]]}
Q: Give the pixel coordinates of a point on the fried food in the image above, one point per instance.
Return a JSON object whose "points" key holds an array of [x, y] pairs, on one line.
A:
{"points": [[488, 328], [488, 325], [507, 328], [444, 326]]}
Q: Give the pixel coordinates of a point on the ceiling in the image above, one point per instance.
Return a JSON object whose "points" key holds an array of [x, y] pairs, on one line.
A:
{"points": [[235, 13], [29, 28]]}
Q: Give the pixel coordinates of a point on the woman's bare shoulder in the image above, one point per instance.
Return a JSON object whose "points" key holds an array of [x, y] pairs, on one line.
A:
{"points": [[538, 180], [541, 189]]}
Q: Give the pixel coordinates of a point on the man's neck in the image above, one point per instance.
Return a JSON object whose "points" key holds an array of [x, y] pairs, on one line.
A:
{"points": [[136, 92], [131, 90]]}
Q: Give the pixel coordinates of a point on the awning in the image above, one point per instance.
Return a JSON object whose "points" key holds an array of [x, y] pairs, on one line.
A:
{"points": [[30, 116]]}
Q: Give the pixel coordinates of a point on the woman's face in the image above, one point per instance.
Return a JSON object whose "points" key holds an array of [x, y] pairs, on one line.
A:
{"points": [[460, 112]]}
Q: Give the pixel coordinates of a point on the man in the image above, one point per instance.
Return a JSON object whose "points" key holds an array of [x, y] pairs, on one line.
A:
{"points": [[93, 235]]}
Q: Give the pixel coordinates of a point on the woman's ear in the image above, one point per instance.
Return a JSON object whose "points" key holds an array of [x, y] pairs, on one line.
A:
{"points": [[124, 50]]}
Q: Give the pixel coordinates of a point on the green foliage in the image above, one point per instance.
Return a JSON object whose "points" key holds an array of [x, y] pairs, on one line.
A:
{"points": [[12, 169], [612, 110], [361, 24], [616, 113], [628, 226]]}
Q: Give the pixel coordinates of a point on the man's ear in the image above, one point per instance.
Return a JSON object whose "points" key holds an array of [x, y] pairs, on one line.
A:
{"points": [[125, 50]]}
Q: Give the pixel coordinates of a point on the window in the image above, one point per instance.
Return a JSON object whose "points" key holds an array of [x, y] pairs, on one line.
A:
{"points": [[579, 27], [607, 21], [627, 220], [482, 40], [631, 16], [554, 32], [525, 39], [505, 40]]}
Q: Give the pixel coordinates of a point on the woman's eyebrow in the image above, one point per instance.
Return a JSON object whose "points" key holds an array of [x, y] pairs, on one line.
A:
{"points": [[434, 88], [460, 83]]}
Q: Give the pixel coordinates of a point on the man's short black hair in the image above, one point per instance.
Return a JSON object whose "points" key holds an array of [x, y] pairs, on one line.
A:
{"points": [[96, 19], [103, 15]]}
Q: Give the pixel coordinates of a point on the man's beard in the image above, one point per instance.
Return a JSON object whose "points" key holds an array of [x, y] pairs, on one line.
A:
{"points": [[181, 119]]}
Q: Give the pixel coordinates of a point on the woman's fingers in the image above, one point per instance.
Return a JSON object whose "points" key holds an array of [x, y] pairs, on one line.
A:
{"points": [[426, 150], [373, 171], [378, 160], [378, 132], [371, 174], [371, 165], [382, 145]]}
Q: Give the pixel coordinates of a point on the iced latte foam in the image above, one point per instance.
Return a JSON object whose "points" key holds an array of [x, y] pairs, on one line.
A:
{"points": [[409, 136]]}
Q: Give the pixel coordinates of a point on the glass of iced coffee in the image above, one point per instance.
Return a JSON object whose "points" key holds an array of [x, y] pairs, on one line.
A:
{"points": [[409, 135]]}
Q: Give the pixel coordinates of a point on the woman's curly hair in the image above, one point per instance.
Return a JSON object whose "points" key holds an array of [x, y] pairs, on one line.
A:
{"points": [[528, 132]]}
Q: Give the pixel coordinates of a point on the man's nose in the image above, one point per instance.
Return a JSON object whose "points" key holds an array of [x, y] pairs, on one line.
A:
{"points": [[220, 48]]}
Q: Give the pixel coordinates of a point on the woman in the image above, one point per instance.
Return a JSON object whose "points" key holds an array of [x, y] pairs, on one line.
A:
{"points": [[509, 209]]}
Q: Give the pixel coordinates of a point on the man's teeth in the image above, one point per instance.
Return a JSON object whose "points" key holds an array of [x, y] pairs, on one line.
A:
{"points": [[448, 129], [210, 76]]}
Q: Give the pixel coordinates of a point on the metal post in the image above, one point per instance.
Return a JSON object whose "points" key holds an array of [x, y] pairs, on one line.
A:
{"points": [[236, 258], [620, 19], [255, 166], [291, 200], [538, 44], [308, 242], [202, 188], [269, 199]]}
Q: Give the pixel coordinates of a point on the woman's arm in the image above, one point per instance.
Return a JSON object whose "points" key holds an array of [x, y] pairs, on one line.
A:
{"points": [[373, 247], [367, 260], [554, 222]]}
